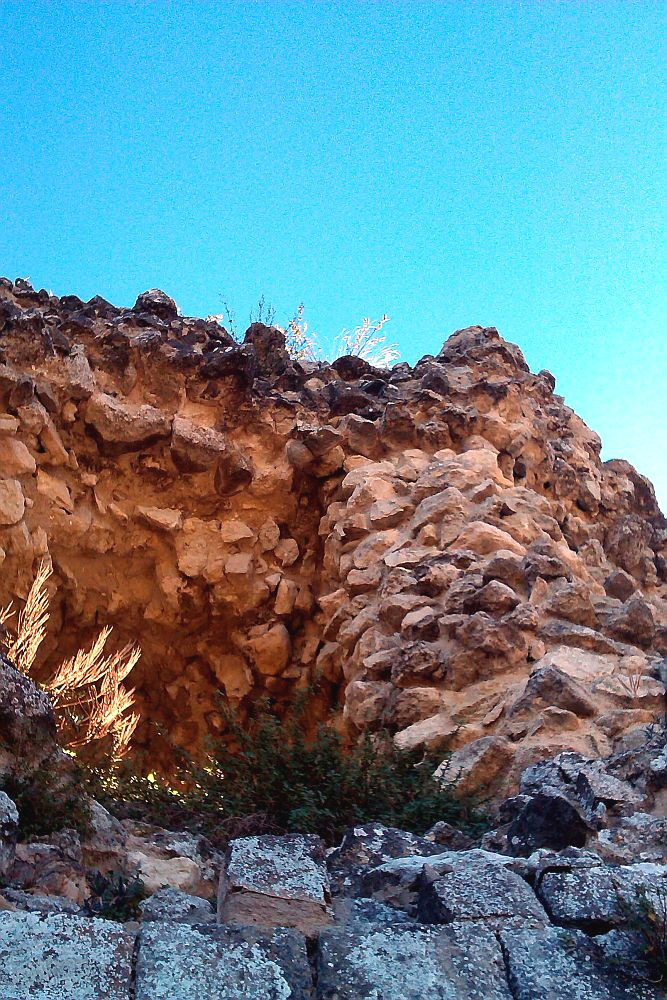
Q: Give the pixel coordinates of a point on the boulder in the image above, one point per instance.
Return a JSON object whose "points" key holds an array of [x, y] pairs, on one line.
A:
{"points": [[486, 894], [549, 686], [620, 584], [9, 822], [157, 303], [477, 766], [373, 844], [550, 963], [547, 819], [195, 448], [12, 502], [176, 906], [27, 722], [599, 898], [119, 426]]}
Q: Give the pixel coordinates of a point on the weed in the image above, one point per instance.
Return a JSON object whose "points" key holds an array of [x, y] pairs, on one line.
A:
{"points": [[115, 896], [269, 777], [91, 703], [49, 801], [363, 341]]}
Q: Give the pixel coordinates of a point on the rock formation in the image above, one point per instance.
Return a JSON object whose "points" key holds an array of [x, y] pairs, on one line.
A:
{"points": [[437, 550]]}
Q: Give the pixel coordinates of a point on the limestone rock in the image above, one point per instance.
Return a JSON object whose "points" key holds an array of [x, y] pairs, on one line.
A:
{"points": [[121, 427], [9, 819], [400, 962], [173, 905], [53, 956], [275, 882], [195, 448], [592, 898], [12, 502], [191, 963], [477, 765], [485, 894]]}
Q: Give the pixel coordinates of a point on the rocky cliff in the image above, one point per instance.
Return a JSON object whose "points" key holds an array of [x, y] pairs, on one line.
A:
{"points": [[438, 550]]}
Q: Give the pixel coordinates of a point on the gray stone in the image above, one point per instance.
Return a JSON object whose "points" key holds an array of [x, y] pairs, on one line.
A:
{"points": [[58, 957], [597, 899], [275, 882], [492, 894], [554, 964], [365, 913], [398, 882], [175, 905], [27, 722], [547, 820], [179, 962], [411, 963], [9, 822], [158, 303], [374, 844], [23, 900]]}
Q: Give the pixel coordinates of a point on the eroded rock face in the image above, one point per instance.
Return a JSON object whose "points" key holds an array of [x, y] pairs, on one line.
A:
{"points": [[438, 550]]}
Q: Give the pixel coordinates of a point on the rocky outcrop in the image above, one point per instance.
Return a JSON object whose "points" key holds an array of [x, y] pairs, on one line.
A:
{"points": [[438, 550]]}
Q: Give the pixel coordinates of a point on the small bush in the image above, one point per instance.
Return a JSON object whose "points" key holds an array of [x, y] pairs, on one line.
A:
{"points": [[115, 896], [48, 802], [271, 778]]}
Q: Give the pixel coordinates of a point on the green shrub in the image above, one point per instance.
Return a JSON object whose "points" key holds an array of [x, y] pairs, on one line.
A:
{"points": [[270, 778], [115, 896], [49, 801]]}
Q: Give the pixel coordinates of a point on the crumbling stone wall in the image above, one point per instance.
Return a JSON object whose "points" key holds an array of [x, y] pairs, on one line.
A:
{"points": [[436, 549]]}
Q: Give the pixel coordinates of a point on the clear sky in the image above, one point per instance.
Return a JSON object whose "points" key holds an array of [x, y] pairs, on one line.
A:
{"points": [[446, 163]]}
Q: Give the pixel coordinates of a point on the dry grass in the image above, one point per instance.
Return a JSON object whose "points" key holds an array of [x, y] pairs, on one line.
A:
{"points": [[32, 622], [364, 341], [93, 707]]}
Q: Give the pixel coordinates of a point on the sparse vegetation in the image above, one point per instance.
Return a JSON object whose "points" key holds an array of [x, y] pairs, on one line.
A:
{"points": [[49, 800], [92, 705], [115, 896], [271, 778], [363, 341], [303, 344]]}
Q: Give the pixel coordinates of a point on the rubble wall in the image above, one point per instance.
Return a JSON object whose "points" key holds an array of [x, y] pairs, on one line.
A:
{"points": [[438, 550]]}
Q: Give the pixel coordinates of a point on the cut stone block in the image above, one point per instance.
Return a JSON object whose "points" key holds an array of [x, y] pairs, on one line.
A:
{"points": [[554, 964], [488, 893], [275, 882], [410, 963], [173, 905], [59, 957], [596, 899], [180, 962]]}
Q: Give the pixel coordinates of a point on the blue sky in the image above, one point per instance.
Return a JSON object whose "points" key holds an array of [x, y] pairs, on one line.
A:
{"points": [[445, 163]]}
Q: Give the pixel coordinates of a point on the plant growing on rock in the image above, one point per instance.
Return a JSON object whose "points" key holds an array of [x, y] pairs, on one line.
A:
{"points": [[363, 341], [91, 702], [270, 777], [115, 896]]}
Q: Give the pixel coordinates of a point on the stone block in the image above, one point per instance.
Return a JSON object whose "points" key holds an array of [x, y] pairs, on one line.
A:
{"points": [[179, 962], [491, 894], [60, 957], [275, 882], [402, 962]]}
